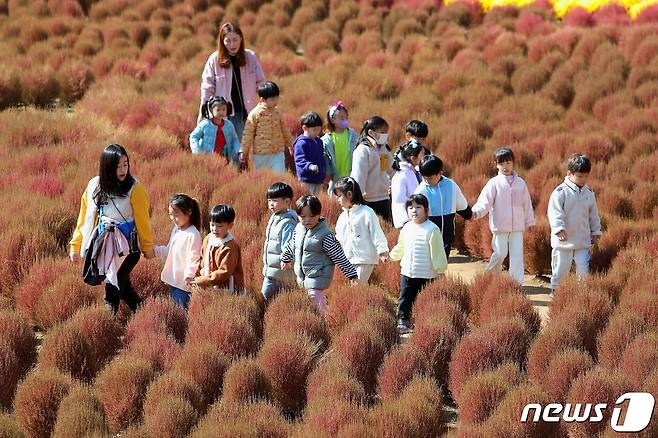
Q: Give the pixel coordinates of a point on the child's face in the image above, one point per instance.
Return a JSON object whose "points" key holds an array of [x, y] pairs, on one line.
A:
{"points": [[578, 178], [220, 229], [340, 120], [344, 199], [312, 132], [417, 213], [122, 168], [415, 159], [308, 219], [433, 179], [219, 111], [277, 205], [178, 217], [506, 167], [271, 102]]}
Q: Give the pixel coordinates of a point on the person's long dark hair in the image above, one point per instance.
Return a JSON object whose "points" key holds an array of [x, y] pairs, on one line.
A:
{"points": [[224, 59], [108, 183]]}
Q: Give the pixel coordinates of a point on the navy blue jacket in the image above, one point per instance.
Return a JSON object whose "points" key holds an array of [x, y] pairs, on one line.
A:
{"points": [[309, 151]]}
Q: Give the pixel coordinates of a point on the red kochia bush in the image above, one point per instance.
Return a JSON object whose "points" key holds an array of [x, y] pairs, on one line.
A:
{"points": [[65, 349], [550, 342], [622, 329], [399, 367], [172, 384], [246, 380], [435, 338], [364, 351], [641, 358], [288, 360], [511, 305], [484, 391], [65, 296], [333, 380], [9, 426], [596, 386], [451, 288], [160, 349], [327, 416], [346, 305], [121, 388], [505, 420], [101, 331], [37, 401], [489, 285], [206, 365], [382, 323], [498, 342], [562, 370], [235, 418], [80, 414], [305, 323], [171, 417], [284, 304], [157, 315], [417, 412], [18, 351]]}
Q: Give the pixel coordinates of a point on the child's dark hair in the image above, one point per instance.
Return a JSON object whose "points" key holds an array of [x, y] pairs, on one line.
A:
{"points": [[417, 128], [108, 183], [349, 184], [267, 89], [503, 154], [430, 165], [579, 163], [311, 202], [374, 123], [279, 190], [222, 214], [406, 150], [188, 206], [206, 110], [311, 119], [418, 199], [331, 112]]}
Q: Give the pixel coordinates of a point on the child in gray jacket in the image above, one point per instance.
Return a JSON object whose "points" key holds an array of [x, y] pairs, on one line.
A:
{"points": [[574, 220]]}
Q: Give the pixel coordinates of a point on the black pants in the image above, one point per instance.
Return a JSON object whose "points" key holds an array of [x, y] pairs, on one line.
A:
{"points": [[125, 292], [447, 226], [409, 288], [382, 208]]}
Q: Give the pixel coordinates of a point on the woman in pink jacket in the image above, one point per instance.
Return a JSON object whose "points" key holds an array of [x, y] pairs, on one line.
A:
{"points": [[232, 72], [506, 199]]}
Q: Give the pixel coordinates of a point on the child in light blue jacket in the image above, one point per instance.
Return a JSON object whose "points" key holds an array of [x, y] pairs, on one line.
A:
{"points": [[215, 133]]}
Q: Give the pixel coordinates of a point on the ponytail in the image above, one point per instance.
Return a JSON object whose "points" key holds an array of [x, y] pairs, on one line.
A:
{"points": [[406, 150], [374, 123], [188, 205]]}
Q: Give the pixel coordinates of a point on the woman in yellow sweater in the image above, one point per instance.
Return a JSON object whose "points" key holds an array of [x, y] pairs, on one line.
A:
{"points": [[115, 197]]}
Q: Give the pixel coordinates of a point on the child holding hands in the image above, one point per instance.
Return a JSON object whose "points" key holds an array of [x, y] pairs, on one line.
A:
{"points": [[505, 198], [181, 255], [421, 254], [221, 260], [315, 252], [358, 230]]}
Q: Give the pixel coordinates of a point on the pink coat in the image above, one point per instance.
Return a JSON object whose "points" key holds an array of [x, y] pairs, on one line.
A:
{"points": [[509, 205], [216, 80]]}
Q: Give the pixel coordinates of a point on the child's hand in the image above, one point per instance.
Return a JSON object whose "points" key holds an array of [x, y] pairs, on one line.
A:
{"points": [[562, 236], [384, 258], [189, 281], [595, 239], [74, 256], [286, 265], [149, 255], [314, 168]]}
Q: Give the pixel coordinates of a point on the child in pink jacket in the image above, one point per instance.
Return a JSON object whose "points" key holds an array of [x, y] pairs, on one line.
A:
{"points": [[506, 199]]}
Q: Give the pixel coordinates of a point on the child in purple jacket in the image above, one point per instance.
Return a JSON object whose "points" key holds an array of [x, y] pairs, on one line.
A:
{"points": [[309, 154]]}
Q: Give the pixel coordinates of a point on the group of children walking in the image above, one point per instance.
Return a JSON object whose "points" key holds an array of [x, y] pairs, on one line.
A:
{"points": [[406, 187]]}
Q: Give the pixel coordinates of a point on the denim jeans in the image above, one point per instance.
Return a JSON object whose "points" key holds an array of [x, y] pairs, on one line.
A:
{"points": [[180, 297]]}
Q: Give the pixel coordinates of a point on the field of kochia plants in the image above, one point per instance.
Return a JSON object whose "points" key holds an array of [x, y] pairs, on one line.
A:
{"points": [[78, 75]]}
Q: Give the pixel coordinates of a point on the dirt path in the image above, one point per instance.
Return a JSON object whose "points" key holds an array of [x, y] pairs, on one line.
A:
{"points": [[535, 288]]}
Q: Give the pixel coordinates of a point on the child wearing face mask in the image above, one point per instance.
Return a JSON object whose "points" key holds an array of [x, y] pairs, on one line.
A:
{"points": [[339, 143], [372, 166]]}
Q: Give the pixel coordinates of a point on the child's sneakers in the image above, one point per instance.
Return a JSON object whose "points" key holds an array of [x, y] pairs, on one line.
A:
{"points": [[404, 326]]}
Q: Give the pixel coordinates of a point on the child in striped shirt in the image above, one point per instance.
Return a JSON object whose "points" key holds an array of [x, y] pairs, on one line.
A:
{"points": [[315, 252]]}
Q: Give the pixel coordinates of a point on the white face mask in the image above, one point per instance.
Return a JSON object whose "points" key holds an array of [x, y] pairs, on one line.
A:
{"points": [[382, 139]]}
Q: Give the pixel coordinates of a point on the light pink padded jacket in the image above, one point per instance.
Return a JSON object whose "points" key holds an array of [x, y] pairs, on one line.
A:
{"points": [[509, 205]]}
